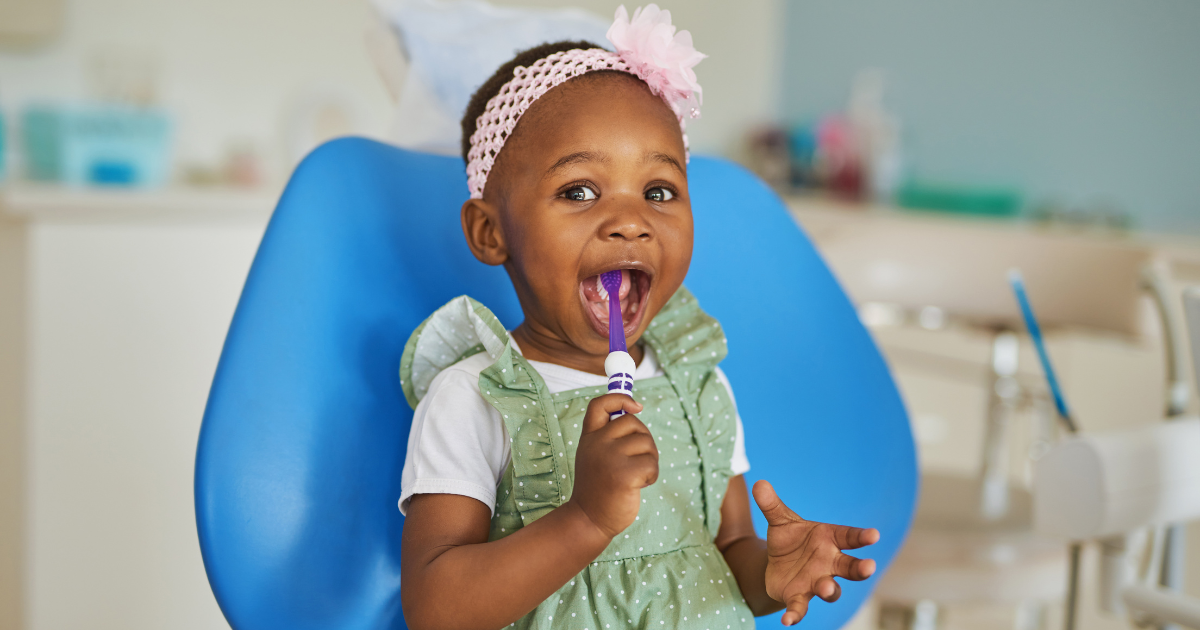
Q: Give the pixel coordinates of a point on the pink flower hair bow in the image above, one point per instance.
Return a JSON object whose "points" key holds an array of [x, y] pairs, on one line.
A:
{"points": [[659, 56]]}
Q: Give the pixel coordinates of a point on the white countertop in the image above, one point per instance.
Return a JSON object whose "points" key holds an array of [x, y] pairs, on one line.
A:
{"points": [[57, 204], [822, 215]]}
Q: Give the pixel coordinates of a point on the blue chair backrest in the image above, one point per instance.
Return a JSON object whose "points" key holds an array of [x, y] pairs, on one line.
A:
{"points": [[303, 441]]}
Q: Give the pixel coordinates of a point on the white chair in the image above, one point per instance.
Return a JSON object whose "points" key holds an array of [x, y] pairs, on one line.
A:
{"points": [[1129, 490]]}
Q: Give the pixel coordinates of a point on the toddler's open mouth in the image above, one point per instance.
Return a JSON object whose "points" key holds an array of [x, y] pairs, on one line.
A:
{"points": [[635, 290]]}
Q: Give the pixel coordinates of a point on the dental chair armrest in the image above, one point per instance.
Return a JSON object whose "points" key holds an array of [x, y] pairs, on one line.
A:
{"points": [[1102, 484]]}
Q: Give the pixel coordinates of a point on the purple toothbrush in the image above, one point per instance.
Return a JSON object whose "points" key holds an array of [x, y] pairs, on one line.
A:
{"points": [[618, 366]]}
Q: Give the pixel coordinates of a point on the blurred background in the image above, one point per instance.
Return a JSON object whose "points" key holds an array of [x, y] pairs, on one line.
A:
{"points": [[926, 146]]}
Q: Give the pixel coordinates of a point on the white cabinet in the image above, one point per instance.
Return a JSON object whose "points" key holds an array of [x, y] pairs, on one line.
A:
{"points": [[124, 300]]}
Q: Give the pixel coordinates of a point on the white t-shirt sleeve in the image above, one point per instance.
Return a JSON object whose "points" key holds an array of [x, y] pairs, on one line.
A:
{"points": [[458, 444], [740, 463]]}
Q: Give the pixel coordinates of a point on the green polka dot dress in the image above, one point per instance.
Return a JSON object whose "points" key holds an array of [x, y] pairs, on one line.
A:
{"points": [[664, 570]]}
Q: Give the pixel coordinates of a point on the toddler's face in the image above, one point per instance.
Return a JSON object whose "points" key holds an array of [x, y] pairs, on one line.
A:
{"points": [[593, 180]]}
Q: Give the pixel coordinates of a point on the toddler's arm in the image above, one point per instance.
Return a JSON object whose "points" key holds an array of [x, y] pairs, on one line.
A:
{"points": [[744, 551], [452, 577]]}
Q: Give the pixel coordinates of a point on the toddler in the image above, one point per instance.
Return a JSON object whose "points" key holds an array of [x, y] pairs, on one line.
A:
{"points": [[525, 504]]}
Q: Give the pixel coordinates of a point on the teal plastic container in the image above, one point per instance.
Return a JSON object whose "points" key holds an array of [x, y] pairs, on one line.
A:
{"points": [[102, 145], [968, 200]]}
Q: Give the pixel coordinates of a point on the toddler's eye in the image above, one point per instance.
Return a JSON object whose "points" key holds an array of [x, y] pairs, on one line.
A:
{"points": [[658, 193], [580, 193]]}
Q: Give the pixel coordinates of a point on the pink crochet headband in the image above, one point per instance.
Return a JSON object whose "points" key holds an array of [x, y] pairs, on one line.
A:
{"points": [[646, 46]]}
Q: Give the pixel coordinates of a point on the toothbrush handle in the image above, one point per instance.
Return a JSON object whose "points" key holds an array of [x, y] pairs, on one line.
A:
{"points": [[619, 367], [622, 383]]}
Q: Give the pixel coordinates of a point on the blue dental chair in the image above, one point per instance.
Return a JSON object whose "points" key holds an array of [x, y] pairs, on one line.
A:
{"points": [[304, 437]]}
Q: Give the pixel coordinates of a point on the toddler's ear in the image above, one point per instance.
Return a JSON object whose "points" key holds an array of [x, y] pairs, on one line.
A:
{"points": [[481, 226]]}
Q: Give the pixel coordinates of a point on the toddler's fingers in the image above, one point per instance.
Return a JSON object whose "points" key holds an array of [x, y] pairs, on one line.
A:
{"points": [[852, 568], [602, 407], [828, 589], [797, 607], [854, 537], [637, 444], [646, 467], [772, 507], [627, 424]]}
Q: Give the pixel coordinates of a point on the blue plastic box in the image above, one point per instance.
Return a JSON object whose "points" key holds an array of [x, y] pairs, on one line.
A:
{"points": [[107, 145]]}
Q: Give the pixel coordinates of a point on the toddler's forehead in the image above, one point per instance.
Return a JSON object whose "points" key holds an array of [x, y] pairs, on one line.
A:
{"points": [[595, 94], [589, 109]]}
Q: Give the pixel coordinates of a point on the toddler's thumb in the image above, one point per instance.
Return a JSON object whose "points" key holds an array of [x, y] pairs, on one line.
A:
{"points": [[601, 409], [772, 507]]}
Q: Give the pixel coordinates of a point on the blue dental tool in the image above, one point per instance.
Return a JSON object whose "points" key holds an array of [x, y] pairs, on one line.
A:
{"points": [[1035, 332]]}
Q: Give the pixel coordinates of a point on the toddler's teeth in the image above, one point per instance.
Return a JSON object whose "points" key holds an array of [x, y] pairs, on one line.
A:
{"points": [[633, 308]]}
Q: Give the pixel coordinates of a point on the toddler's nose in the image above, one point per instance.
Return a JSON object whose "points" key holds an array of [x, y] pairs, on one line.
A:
{"points": [[627, 224]]}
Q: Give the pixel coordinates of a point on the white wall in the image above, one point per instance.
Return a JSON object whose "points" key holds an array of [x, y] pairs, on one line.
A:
{"points": [[127, 322], [1087, 101], [230, 71]]}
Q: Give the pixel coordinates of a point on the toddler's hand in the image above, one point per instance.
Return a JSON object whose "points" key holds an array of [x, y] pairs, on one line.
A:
{"points": [[803, 556], [614, 461]]}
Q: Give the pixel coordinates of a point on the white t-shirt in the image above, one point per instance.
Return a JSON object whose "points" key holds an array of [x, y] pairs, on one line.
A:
{"points": [[458, 443]]}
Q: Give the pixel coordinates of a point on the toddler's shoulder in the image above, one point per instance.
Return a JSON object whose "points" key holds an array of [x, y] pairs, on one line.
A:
{"points": [[460, 376]]}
